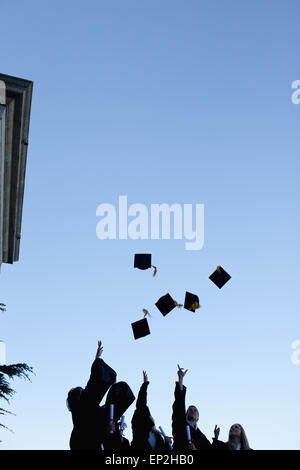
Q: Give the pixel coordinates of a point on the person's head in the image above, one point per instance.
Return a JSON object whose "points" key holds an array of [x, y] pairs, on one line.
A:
{"points": [[74, 397], [237, 434], [192, 413]]}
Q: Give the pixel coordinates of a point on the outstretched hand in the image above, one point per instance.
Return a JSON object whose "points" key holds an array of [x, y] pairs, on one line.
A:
{"points": [[180, 372], [145, 376], [99, 349], [216, 432]]}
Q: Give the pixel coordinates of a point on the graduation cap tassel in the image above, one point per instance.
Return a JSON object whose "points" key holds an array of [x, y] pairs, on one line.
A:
{"points": [[194, 306], [146, 312], [191, 302], [177, 305], [155, 270]]}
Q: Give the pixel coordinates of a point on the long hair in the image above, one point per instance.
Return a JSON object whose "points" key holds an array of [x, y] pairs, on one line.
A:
{"points": [[243, 440]]}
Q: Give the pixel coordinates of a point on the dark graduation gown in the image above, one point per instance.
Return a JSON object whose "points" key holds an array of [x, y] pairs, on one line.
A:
{"points": [[121, 396], [142, 423], [220, 445], [116, 442], [179, 424], [87, 416]]}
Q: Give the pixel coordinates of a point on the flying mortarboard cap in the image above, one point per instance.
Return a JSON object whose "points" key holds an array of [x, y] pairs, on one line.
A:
{"points": [[191, 302], [165, 304], [140, 328], [143, 261], [219, 277]]}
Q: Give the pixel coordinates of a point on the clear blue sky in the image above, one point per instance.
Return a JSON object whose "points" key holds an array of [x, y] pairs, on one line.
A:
{"points": [[172, 101]]}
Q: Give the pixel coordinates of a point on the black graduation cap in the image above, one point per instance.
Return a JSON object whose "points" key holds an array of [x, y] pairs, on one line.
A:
{"points": [[219, 277], [140, 328], [191, 302], [165, 304], [143, 261]]}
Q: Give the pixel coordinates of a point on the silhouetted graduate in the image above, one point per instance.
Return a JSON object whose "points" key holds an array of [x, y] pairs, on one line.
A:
{"points": [[145, 436], [115, 441], [237, 439], [90, 421], [182, 418], [120, 395]]}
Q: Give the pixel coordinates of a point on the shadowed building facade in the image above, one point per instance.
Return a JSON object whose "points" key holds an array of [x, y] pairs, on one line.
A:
{"points": [[15, 104]]}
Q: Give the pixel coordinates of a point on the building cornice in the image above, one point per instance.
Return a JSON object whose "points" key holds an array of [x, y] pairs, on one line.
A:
{"points": [[14, 130]]}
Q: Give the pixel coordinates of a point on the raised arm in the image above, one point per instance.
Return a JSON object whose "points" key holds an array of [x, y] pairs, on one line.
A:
{"points": [[101, 378], [141, 401], [180, 390], [216, 432], [99, 350], [216, 444], [141, 421], [179, 412]]}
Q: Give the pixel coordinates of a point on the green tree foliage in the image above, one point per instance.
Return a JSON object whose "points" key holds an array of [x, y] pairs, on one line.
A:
{"points": [[11, 371]]}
